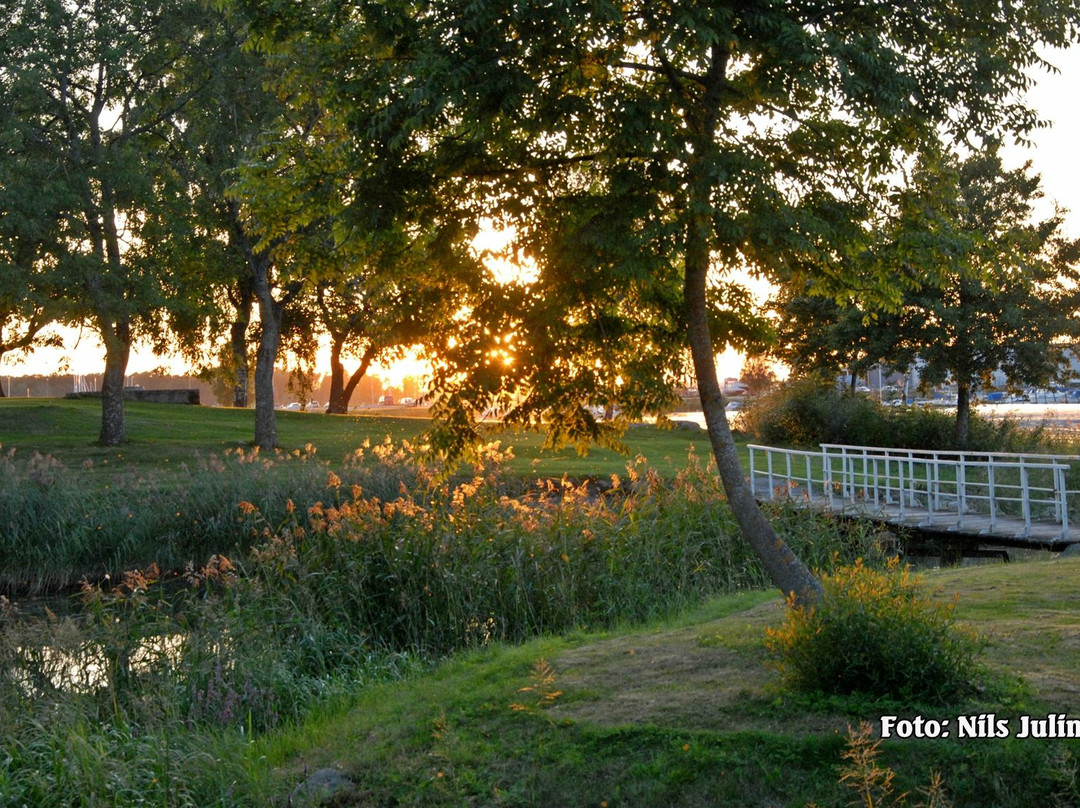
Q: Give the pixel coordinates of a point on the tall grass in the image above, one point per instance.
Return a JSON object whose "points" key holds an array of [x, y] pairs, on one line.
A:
{"points": [[153, 691], [59, 525]]}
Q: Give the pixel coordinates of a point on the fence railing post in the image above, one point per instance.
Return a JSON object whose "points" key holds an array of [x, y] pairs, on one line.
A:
{"points": [[990, 482], [826, 472], [768, 465], [900, 485], [1025, 497], [961, 491], [1063, 501]]}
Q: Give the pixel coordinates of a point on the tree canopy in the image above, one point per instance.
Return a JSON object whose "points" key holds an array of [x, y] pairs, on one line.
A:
{"points": [[1008, 285], [644, 153], [986, 287], [642, 157], [89, 97]]}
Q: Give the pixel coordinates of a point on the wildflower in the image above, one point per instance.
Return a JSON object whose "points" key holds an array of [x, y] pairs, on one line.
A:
{"points": [[246, 507], [290, 506], [333, 481]]}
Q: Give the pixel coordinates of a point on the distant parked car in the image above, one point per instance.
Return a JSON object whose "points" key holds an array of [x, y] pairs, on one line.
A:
{"points": [[408, 401], [386, 401]]}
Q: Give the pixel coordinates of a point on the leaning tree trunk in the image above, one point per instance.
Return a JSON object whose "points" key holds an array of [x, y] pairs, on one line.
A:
{"points": [[782, 566], [117, 337]]}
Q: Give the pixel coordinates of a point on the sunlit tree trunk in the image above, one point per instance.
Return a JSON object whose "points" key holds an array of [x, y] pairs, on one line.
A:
{"points": [[782, 566]]}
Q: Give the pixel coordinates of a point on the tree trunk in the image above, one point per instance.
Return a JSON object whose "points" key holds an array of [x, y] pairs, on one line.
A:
{"points": [[341, 392], [338, 404], [270, 312], [963, 416], [117, 350], [238, 346], [782, 566]]}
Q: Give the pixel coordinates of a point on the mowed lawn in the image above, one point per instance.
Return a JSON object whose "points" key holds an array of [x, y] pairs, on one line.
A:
{"points": [[690, 712], [160, 434]]}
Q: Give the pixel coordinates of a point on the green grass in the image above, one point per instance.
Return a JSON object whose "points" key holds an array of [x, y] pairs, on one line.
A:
{"points": [[687, 714], [277, 678], [71, 509], [158, 433]]}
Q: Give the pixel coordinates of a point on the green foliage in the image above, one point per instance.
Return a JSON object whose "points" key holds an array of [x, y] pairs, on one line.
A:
{"points": [[809, 411], [876, 633], [982, 287]]}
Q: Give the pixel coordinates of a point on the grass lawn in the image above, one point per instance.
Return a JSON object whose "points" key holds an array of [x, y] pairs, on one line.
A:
{"points": [[157, 433], [688, 713]]}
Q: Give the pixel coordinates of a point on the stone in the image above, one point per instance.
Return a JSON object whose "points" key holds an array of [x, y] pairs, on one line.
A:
{"points": [[319, 787]]}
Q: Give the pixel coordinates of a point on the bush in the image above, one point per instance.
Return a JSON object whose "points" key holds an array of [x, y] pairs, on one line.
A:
{"points": [[876, 634], [810, 410]]}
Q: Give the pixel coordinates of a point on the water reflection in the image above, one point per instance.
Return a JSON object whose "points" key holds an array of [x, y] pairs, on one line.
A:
{"points": [[66, 663]]}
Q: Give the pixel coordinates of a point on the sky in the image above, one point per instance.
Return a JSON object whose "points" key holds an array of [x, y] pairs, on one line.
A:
{"points": [[1055, 156]]}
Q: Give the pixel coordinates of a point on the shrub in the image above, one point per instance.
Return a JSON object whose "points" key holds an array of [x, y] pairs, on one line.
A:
{"points": [[876, 634], [810, 410]]}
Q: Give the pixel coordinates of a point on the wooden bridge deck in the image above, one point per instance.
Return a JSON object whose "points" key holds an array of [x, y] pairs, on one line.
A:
{"points": [[1010, 499], [1003, 530]]}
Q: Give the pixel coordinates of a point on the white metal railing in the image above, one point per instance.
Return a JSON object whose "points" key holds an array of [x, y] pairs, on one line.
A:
{"points": [[932, 486]]}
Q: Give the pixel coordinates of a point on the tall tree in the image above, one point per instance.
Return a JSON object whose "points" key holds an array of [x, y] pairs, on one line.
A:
{"points": [[350, 223], [1007, 290], [230, 109], [89, 84], [644, 152], [29, 251]]}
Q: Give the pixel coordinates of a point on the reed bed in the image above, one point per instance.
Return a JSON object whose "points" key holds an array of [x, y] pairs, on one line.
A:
{"points": [[158, 685]]}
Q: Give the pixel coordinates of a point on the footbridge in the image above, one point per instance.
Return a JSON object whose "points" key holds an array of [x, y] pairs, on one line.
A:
{"points": [[1011, 499]]}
